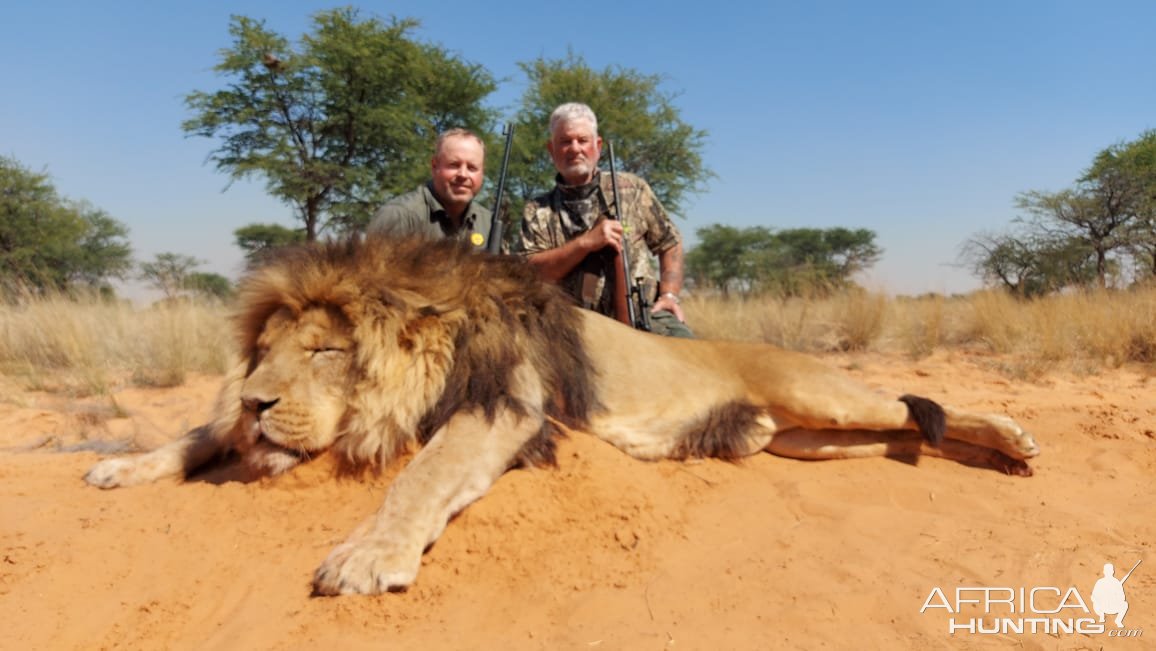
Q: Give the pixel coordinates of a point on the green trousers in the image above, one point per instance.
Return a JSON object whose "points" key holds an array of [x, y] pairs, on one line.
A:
{"points": [[666, 324]]}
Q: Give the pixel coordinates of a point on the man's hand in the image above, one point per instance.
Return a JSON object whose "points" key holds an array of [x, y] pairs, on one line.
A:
{"points": [[669, 303], [604, 233]]}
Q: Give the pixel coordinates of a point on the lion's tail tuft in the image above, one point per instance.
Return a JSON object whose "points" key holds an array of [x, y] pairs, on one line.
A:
{"points": [[928, 415]]}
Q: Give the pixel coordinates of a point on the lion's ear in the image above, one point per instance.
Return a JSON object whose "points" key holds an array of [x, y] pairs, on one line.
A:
{"points": [[376, 305], [394, 301]]}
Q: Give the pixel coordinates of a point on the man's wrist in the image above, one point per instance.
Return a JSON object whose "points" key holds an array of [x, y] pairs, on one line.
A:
{"points": [[670, 295]]}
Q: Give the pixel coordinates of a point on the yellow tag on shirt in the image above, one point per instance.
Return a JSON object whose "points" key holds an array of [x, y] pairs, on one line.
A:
{"points": [[476, 239]]}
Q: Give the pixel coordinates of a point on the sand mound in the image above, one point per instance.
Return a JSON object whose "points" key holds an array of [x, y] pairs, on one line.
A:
{"points": [[603, 553]]}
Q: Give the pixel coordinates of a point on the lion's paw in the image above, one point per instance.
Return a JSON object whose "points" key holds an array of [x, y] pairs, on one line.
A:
{"points": [[111, 473], [366, 567]]}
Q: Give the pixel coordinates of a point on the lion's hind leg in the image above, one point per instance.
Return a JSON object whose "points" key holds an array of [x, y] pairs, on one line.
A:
{"points": [[828, 404], [898, 444]]}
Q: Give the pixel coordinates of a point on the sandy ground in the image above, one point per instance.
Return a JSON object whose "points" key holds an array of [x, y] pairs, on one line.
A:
{"points": [[604, 552]]}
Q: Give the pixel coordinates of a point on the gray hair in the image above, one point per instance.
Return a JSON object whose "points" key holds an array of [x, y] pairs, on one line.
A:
{"points": [[572, 112]]}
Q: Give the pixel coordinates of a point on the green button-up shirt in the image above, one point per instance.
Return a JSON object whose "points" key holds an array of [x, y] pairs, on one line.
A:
{"points": [[420, 213]]}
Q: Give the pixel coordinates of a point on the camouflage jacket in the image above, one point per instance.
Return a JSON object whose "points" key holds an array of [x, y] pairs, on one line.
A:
{"points": [[567, 211]]}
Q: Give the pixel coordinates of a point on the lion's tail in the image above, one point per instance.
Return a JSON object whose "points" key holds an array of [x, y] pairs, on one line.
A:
{"points": [[928, 415]]}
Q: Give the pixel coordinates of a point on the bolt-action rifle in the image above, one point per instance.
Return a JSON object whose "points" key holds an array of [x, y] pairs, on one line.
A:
{"points": [[630, 303], [494, 241]]}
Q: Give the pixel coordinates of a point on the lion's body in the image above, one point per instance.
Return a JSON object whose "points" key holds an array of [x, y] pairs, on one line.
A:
{"points": [[374, 348]]}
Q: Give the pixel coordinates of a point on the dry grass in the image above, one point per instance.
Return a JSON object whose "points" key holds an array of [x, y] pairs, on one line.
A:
{"points": [[90, 346], [1081, 331], [93, 347]]}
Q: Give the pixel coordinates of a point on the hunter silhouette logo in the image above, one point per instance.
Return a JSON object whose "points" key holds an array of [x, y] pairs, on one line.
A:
{"points": [[1108, 595]]}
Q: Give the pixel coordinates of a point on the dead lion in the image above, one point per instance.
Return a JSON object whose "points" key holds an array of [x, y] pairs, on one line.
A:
{"points": [[374, 347]]}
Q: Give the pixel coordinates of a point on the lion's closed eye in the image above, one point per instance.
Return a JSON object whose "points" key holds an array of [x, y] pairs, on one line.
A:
{"points": [[329, 355]]}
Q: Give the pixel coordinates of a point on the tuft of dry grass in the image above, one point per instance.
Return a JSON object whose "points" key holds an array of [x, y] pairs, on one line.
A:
{"points": [[859, 318], [89, 346], [922, 325]]}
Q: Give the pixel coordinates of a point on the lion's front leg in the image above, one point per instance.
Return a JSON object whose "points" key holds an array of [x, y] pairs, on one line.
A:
{"points": [[456, 467]]}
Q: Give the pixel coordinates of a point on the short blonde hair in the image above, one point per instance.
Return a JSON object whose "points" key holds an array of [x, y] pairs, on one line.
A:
{"points": [[456, 133], [572, 112]]}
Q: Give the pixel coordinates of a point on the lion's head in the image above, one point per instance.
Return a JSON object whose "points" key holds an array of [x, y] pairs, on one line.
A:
{"points": [[370, 346]]}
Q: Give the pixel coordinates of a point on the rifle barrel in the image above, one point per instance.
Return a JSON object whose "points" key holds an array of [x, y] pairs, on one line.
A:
{"points": [[1131, 571], [494, 241]]}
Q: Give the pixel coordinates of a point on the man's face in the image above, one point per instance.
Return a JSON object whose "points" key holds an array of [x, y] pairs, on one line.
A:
{"points": [[575, 148], [458, 171]]}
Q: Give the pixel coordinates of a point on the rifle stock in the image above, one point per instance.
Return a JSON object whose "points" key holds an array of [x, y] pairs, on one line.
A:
{"points": [[494, 240]]}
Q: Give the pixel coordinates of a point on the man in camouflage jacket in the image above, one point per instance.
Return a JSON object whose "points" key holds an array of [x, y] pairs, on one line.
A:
{"points": [[567, 237]]}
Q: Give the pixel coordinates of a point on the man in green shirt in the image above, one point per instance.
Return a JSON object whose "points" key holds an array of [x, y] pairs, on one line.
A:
{"points": [[444, 206]]}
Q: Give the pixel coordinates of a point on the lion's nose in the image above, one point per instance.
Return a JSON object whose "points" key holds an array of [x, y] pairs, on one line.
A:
{"points": [[257, 405]]}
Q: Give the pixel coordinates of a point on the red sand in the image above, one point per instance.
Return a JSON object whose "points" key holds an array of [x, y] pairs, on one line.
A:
{"points": [[605, 552]]}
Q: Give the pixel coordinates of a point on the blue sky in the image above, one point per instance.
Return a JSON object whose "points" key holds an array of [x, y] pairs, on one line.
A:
{"points": [[918, 120]]}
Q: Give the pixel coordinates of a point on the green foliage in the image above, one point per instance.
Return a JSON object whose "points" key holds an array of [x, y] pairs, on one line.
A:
{"points": [[722, 258], [649, 136], [257, 240], [209, 285], [48, 243], [789, 262], [340, 122], [169, 272], [1131, 168]]}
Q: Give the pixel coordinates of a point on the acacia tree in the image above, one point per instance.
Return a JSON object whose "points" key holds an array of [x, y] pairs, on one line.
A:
{"points": [[789, 261], [1096, 214], [1029, 265], [50, 243], [649, 135], [808, 260], [1078, 236], [209, 285], [340, 121], [257, 240], [1132, 167], [169, 272], [722, 257]]}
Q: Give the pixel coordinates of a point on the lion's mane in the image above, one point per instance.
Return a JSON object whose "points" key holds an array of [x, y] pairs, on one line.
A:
{"points": [[438, 329]]}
